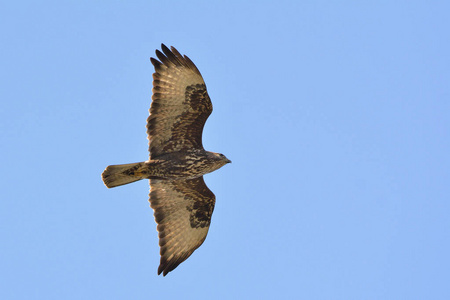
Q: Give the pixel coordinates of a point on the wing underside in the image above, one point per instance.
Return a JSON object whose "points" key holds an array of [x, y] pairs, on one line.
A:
{"points": [[180, 104], [182, 210]]}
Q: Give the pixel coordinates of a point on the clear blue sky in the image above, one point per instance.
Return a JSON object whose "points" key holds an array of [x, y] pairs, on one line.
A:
{"points": [[336, 115]]}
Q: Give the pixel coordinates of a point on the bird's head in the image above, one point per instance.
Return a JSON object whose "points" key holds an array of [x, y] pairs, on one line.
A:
{"points": [[220, 159]]}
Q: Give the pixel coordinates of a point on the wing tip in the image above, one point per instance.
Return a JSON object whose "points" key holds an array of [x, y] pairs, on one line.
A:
{"points": [[156, 63], [164, 48], [165, 266], [172, 56]]}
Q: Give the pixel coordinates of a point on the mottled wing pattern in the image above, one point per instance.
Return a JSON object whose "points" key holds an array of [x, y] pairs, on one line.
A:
{"points": [[180, 104], [183, 210]]}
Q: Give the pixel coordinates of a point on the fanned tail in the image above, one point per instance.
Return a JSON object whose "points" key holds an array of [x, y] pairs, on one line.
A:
{"points": [[117, 175]]}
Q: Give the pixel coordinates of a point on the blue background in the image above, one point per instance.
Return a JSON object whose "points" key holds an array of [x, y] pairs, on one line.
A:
{"points": [[336, 115]]}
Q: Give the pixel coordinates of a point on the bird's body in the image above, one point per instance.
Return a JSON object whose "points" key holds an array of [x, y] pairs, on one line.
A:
{"points": [[171, 166], [182, 202]]}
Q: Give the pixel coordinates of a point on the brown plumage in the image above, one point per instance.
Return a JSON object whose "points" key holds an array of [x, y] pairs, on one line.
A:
{"points": [[181, 201]]}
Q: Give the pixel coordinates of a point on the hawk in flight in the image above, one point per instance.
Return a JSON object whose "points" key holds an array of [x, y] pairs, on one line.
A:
{"points": [[181, 201]]}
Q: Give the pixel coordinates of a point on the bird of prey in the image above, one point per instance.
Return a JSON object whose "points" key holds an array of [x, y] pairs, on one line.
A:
{"points": [[181, 201]]}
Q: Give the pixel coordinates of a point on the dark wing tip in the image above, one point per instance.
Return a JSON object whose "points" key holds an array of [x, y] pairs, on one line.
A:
{"points": [[173, 56], [160, 269], [165, 49], [156, 63], [161, 57], [168, 266], [178, 56], [165, 57]]}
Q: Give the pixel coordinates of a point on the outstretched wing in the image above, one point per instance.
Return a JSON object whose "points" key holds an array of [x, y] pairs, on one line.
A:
{"points": [[183, 210], [180, 104]]}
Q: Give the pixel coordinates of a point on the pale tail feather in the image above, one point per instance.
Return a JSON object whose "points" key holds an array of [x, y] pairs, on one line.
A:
{"points": [[117, 175]]}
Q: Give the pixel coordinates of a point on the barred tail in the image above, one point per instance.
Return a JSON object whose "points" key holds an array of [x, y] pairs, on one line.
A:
{"points": [[117, 175]]}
